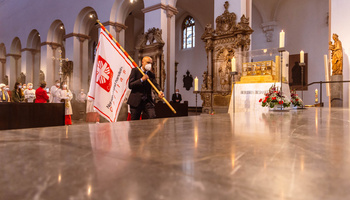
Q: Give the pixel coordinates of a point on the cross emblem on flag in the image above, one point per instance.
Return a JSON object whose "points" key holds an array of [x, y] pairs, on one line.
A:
{"points": [[104, 74]]}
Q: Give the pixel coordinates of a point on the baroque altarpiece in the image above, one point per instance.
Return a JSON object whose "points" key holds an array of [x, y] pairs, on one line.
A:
{"points": [[222, 44], [151, 44]]}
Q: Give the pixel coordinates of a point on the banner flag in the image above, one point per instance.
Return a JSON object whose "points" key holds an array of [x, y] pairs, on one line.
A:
{"points": [[109, 79]]}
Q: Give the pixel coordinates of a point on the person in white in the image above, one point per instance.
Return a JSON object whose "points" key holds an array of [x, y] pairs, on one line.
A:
{"points": [[29, 94], [81, 97], [67, 95], [55, 92]]}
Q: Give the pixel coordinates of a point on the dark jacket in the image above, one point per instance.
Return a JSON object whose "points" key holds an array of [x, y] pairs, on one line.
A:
{"points": [[17, 96], [178, 97], [140, 90]]}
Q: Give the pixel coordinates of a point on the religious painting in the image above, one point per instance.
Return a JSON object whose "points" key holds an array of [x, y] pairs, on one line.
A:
{"points": [[296, 79]]}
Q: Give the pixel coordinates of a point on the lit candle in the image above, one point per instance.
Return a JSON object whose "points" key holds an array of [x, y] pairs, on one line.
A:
{"points": [[301, 56], [196, 84], [282, 39], [233, 64]]}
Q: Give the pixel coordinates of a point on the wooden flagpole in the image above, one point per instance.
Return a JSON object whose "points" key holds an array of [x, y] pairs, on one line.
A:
{"points": [[134, 63]]}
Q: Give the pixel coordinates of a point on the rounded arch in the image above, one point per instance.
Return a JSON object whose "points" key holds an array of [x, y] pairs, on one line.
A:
{"points": [[85, 21], [56, 32], [16, 46], [121, 10], [257, 13], [33, 41]]}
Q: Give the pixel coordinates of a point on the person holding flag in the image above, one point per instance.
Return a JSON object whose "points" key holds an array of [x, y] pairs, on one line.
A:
{"points": [[140, 98]]}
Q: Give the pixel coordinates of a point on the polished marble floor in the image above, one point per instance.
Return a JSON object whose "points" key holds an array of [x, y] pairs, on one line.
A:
{"points": [[301, 154]]}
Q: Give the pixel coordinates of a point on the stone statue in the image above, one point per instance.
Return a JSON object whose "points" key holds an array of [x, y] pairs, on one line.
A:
{"points": [[337, 55], [41, 76], [6, 80]]}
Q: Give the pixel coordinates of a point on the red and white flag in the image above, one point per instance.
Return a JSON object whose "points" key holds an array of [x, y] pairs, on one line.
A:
{"points": [[110, 77]]}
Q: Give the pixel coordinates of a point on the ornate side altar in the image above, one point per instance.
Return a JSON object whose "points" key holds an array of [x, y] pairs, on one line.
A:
{"points": [[151, 44], [222, 44]]}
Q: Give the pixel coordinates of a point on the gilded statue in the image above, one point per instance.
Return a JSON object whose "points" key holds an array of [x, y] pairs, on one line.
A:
{"points": [[337, 55]]}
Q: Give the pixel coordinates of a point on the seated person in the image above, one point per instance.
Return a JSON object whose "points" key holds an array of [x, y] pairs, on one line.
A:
{"points": [[17, 93], [177, 97], [5, 97]]}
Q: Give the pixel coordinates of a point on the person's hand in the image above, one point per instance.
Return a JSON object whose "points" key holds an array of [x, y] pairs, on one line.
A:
{"points": [[145, 77], [161, 95]]}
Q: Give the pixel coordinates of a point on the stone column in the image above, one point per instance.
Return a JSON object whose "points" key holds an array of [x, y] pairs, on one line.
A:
{"points": [[336, 91], [77, 51], [12, 66], [160, 15], [120, 33]]}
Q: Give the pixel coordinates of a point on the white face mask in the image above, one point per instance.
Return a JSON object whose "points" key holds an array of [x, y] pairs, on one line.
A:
{"points": [[24, 87], [58, 84], [64, 86], [148, 67], [7, 89], [30, 87], [20, 86], [177, 92]]}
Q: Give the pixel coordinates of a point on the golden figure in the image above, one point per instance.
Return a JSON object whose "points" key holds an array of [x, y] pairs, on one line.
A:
{"points": [[337, 55]]}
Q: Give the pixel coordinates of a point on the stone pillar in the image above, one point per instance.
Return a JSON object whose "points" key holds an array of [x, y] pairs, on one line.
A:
{"points": [[47, 64], [159, 15], [336, 91], [24, 60], [77, 51], [13, 68]]}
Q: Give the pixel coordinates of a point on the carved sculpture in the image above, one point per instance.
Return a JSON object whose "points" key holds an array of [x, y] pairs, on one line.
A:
{"points": [[21, 78], [67, 69], [221, 45], [337, 55], [41, 76], [151, 44], [6, 80]]}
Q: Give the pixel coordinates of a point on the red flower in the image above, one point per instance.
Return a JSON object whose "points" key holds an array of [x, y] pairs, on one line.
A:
{"points": [[260, 100], [273, 98], [296, 99], [264, 101], [280, 102], [275, 92]]}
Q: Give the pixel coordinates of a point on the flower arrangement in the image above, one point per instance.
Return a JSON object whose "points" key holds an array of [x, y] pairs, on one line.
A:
{"points": [[295, 99], [273, 98]]}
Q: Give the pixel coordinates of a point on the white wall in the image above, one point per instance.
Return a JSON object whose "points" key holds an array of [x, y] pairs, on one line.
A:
{"points": [[340, 17], [193, 59], [306, 29]]}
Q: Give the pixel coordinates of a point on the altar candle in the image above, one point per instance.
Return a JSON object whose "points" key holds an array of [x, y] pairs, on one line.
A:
{"points": [[282, 39], [196, 84], [301, 56], [326, 69], [233, 64]]}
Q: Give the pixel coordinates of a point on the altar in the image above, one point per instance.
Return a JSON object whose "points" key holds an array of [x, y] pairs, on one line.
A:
{"points": [[247, 95], [255, 78]]}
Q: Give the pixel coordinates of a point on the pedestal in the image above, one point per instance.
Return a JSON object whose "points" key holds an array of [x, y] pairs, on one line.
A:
{"points": [[336, 91]]}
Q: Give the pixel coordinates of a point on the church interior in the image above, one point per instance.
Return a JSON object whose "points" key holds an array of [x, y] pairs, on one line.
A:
{"points": [[264, 110]]}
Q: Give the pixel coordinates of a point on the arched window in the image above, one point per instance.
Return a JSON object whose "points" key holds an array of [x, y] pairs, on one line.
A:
{"points": [[188, 33]]}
